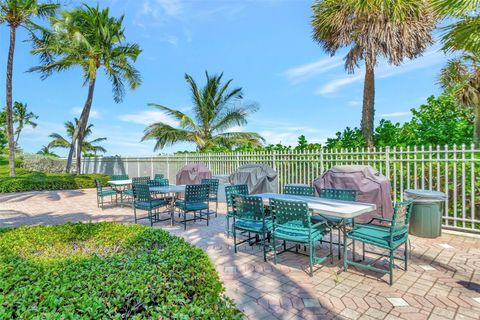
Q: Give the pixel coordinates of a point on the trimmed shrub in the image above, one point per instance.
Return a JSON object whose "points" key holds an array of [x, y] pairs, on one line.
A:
{"points": [[36, 162], [106, 271], [37, 181]]}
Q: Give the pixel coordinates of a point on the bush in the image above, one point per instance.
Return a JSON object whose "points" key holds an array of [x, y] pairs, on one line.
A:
{"points": [[36, 162], [106, 271], [37, 181]]}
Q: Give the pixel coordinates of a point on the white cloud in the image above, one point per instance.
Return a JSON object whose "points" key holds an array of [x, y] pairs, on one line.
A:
{"points": [[338, 83], [384, 70], [308, 70], [147, 117], [94, 113], [396, 114], [353, 103]]}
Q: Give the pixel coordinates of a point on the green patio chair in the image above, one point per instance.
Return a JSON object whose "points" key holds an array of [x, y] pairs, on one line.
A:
{"points": [[249, 215], [299, 190], [159, 176], [103, 192], [196, 200], [293, 223], [158, 183], [336, 194], [142, 200], [389, 237], [229, 191], [137, 180], [213, 192], [118, 177]]}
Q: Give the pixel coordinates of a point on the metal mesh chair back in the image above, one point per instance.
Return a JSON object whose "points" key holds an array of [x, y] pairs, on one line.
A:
{"points": [[141, 192], [213, 184], [98, 185], [158, 183], [299, 190], [230, 190], [288, 213], [159, 176], [401, 216], [140, 180], [119, 177], [339, 194], [248, 207], [195, 193]]}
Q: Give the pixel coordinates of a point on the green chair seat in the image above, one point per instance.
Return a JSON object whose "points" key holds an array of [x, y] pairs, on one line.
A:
{"points": [[153, 204], [300, 235], [254, 225], [191, 206], [128, 192], [377, 236], [106, 192], [332, 220]]}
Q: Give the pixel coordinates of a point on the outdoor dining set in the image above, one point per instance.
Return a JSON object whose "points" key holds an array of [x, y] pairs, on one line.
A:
{"points": [[295, 220]]}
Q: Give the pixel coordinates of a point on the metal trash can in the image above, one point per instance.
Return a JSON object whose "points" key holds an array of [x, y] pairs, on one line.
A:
{"points": [[427, 212], [222, 183]]}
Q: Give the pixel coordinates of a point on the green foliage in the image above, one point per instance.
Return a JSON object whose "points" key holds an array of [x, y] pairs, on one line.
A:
{"points": [[106, 271], [440, 121], [38, 181]]}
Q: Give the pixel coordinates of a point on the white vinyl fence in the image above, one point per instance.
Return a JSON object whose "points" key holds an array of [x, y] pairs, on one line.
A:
{"points": [[454, 170]]}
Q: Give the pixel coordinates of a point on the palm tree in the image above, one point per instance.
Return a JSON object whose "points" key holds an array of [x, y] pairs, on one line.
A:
{"points": [[87, 146], [18, 13], [22, 117], [45, 151], [373, 29], [90, 38], [461, 76], [463, 34], [215, 110]]}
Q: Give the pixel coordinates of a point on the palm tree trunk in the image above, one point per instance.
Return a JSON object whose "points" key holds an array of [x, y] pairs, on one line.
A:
{"points": [[368, 112], [11, 141], [78, 134], [476, 128]]}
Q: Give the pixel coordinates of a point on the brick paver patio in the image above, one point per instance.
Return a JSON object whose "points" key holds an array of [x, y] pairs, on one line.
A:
{"points": [[442, 282]]}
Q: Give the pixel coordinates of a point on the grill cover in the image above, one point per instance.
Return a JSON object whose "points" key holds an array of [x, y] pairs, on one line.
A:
{"points": [[259, 178], [193, 174], [371, 187]]}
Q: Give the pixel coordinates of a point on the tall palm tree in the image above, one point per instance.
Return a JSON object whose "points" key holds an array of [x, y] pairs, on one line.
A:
{"points": [[18, 13], [22, 117], [373, 29], [464, 33], [90, 38], [58, 141], [462, 77], [216, 109]]}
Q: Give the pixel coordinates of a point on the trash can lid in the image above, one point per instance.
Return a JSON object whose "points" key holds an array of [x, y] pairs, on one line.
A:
{"points": [[425, 194]]}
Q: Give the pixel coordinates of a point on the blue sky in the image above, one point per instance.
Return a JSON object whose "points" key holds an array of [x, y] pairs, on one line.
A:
{"points": [[264, 45]]}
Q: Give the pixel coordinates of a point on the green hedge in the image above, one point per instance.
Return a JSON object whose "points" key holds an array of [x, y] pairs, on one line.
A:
{"points": [[49, 181], [106, 271]]}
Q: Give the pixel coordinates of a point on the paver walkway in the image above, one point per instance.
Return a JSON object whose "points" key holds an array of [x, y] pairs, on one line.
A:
{"points": [[442, 282]]}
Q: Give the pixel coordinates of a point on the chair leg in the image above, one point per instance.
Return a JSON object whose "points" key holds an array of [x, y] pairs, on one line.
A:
{"points": [[228, 226], [150, 217], [339, 245], [274, 249], [406, 256], [234, 237], [135, 214], [184, 220], [331, 248], [310, 255], [345, 255], [264, 248], [208, 219], [391, 266], [363, 251], [216, 208]]}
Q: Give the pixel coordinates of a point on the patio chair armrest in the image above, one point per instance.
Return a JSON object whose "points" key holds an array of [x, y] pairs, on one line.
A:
{"points": [[378, 218], [318, 224]]}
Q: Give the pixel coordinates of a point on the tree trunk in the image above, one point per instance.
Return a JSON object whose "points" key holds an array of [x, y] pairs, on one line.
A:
{"points": [[476, 128], [9, 109], [79, 132], [368, 112]]}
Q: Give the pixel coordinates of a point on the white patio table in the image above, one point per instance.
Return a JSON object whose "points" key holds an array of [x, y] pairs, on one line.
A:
{"points": [[120, 186], [327, 207]]}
